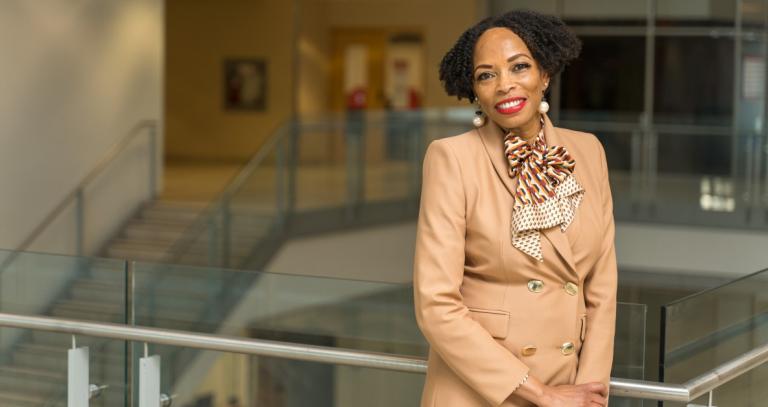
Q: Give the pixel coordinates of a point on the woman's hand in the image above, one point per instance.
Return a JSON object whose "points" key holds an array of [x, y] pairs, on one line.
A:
{"points": [[581, 395]]}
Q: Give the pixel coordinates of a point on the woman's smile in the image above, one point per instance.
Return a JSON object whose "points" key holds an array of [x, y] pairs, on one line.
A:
{"points": [[510, 106]]}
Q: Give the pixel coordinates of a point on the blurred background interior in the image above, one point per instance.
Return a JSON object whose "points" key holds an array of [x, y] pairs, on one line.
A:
{"points": [[252, 168]]}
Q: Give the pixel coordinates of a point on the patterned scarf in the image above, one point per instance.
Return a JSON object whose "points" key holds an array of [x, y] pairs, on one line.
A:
{"points": [[547, 194]]}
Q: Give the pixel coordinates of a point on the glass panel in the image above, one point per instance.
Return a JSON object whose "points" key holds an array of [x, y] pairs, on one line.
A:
{"points": [[33, 363], [68, 287], [685, 12], [231, 230], [118, 192], [694, 80], [629, 347], [591, 89], [369, 316], [231, 301], [35, 374], [392, 148], [699, 154], [597, 12], [751, 147], [254, 210], [697, 186], [709, 328], [324, 152], [228, 379], [497, 7]]}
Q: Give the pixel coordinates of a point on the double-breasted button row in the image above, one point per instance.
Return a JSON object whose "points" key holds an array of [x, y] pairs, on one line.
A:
{"points": [[537, 286], [566, 349]]}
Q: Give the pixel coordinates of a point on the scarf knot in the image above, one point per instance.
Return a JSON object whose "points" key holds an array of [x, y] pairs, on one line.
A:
{"points": [[546, 195]]}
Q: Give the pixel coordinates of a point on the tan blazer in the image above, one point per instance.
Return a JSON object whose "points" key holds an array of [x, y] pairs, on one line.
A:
{"points": [[491, 313]]}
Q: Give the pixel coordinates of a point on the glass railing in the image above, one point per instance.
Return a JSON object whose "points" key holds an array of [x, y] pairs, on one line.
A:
{"points": [[313, 176], [337, 313], [34, 363], [123, 180], [704, 330], [326, 174]]}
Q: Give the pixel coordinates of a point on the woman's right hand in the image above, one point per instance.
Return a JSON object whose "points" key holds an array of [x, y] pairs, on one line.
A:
{"points": [[581, 395]]}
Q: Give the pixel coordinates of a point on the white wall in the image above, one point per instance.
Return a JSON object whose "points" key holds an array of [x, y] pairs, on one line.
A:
{"points": [[75, 76]]}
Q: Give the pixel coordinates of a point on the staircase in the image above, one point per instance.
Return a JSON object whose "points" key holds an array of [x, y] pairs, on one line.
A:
{"points": [[242, 230], [35, 373], [150, 234], [155, 234]]}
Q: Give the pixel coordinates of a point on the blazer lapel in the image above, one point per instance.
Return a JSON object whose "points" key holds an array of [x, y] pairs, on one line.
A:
{"points": [[492, 137], [493, 142]]}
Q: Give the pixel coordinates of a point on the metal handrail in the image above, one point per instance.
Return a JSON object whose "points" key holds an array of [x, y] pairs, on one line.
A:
{"points": [[73, 195], [639, 389]]}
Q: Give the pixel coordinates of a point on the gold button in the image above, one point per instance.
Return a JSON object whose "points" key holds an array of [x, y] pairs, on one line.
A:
{"points": [[535, 286], [529, 350], [571, 288], [567, 348]]}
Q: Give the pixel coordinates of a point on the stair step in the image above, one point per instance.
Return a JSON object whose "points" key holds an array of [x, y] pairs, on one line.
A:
{"points": [[14, 378], [170, 213], [191, 257], [188, 290], [10, 397], [168, 314], [199, 244], [135, 255], [170, 232], [104, 367]]}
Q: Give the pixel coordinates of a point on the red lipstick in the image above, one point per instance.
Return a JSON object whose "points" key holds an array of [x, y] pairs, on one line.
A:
{"points": [[511, 105]]}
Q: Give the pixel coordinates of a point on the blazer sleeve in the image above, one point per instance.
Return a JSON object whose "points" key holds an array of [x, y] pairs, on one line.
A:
{"points": [[467, 348], [596, 356]]}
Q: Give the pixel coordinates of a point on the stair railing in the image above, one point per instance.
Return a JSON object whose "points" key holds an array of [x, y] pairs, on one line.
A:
{"points": [[76, 199]]}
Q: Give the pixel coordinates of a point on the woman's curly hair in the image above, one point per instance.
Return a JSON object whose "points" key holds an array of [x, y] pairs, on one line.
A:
{"points": [[552, 44]]}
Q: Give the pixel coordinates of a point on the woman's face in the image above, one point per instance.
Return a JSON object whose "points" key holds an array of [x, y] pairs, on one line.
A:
{"points": [[508, 82]]}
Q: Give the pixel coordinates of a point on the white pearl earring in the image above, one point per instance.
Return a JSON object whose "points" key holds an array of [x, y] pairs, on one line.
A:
{"points": [[479, 119], [543, 106]]}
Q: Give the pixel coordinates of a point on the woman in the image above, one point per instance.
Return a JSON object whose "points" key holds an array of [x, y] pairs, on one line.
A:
{"points": [[515, 269]]}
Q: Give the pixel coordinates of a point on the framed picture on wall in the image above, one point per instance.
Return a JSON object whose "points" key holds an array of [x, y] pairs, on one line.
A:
{"points": [[245, 84]]}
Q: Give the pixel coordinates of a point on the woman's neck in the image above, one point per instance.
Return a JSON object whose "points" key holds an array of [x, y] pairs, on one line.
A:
{"points": [[529, 131]]}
